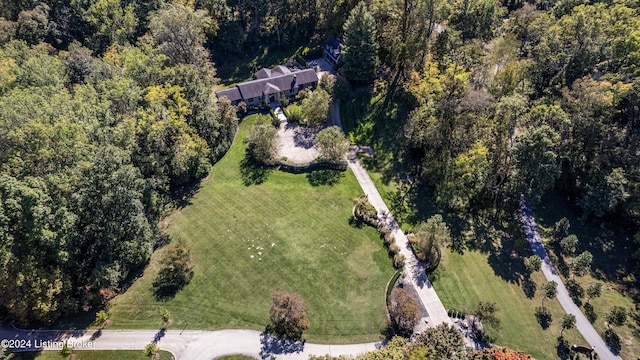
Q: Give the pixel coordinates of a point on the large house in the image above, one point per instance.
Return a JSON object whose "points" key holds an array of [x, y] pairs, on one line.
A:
{"points": [[333, 50], [270, 84]]}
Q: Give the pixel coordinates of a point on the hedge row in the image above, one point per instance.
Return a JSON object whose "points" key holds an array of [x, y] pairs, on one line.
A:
{"points": [[391, 284], [314, 165]]}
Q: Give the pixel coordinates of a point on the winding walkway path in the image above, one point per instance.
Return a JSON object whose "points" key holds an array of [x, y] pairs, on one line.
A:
{"points": [[582, 324], [413, 268]]}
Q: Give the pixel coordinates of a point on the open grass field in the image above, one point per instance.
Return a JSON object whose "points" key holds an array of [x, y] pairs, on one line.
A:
{"points": [[91, 355], [611, 248], [463, 280], [248, 240]]}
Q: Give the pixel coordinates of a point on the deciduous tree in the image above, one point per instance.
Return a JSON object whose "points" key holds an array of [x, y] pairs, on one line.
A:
{"points": [[288, 314], [430, 234], [533, 263], [331, 144], [594, 290], [315, 107], [568, 323], [486, 313], [262, 142], [550, 289], [175, 273], [581, 264], [569, 245], [617, 316], [403, 311]]}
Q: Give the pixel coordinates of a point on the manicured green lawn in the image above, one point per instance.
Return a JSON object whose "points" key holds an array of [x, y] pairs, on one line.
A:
{"points": [[463, 280], [235, 357], [248, 240], [92, 355], [611, 248]]}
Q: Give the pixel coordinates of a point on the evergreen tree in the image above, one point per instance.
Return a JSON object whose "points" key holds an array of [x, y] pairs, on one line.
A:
{"points": [[360, 52]]}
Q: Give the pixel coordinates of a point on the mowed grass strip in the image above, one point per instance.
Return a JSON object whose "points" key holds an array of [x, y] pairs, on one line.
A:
{"points": [[463, 280], [91, 355], [248, 240]]}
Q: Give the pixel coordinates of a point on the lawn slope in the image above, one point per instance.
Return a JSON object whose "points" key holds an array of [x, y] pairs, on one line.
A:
{"points": [[248, 240], [463, 280]]}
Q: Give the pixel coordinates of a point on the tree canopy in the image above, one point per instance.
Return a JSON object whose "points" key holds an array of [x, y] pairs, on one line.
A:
{"points": [[360, 45]]}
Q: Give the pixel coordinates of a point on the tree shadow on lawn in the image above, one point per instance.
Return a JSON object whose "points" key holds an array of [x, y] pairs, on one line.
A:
{"points": [[253, 173], [181, 195], [324, 177], [605, 238], [529, 287], [272, 346], [563, 348]]}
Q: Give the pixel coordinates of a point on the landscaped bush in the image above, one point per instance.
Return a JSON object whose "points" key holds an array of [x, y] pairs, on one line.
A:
{"points": [[274, 118], [389, 239], [394, 249], [294, 114], [398, 261], [312, 52], [295, 168], [364, 211]]}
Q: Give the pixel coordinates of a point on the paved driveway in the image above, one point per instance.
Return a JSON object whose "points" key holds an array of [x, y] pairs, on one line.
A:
{"points": [[582, 324], [296, 142]]}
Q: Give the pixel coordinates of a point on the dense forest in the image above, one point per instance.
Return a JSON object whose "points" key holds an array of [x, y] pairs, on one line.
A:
{"points": [[106, 108], [95, 134]]}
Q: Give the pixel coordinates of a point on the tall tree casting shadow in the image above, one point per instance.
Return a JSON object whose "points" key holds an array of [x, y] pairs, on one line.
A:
{"points": [[252, 172], [272, 346]]}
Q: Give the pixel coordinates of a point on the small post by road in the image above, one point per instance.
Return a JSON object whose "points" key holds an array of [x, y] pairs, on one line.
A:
{"points": [[186, 323]]}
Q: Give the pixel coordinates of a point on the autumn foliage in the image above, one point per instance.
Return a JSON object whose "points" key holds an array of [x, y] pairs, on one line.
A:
{"points": [[508, 354], [288, 314]]}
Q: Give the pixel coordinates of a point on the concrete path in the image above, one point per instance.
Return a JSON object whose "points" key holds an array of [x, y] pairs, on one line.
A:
{"points": [[414, 270], [582, 324], [189, 344]]}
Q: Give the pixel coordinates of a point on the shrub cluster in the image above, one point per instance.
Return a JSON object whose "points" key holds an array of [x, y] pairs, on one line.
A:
{"points": [[392, 247]]}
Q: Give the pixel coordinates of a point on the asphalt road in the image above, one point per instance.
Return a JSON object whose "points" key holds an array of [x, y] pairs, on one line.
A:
{"points": [[582, 324], [188, 344]]}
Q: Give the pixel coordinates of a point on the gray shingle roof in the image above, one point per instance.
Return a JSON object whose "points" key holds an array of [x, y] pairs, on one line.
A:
{"points": [[232, 94], [279, 79], [278, 70], [255, 88]]}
